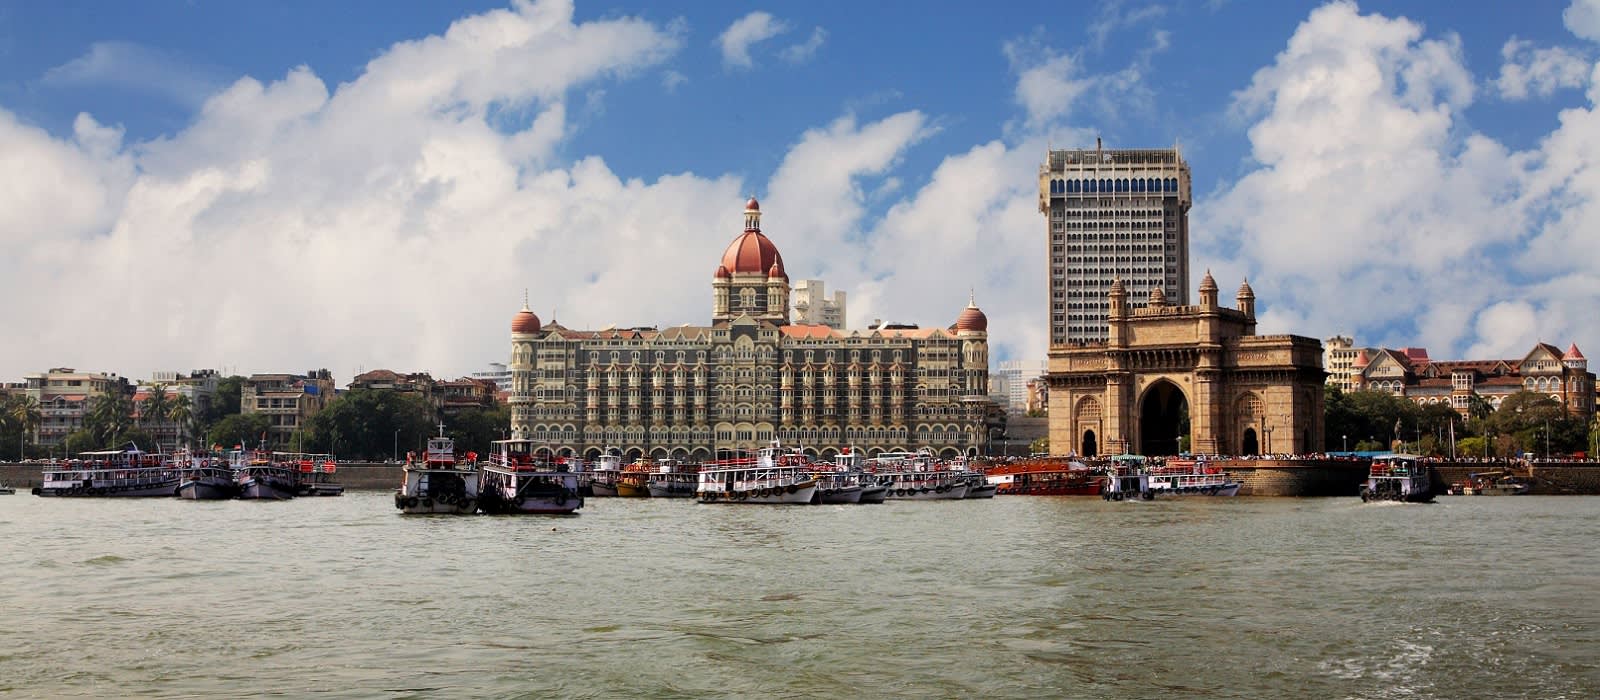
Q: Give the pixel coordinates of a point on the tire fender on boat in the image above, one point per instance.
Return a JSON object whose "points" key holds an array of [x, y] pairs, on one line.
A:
{"points": [[469, 504], [794, 489], [411, 502]]}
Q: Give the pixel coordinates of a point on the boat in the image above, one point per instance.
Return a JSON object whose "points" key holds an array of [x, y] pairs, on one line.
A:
{"points": [[7, 489], [774, 476], [260, 477], [1497, 483], [1046, 476], [117, 473], [437, 482], [1127, 480], [918, 477], [872, 491], [634, 480], [673, 479], [603, 477], [521, 479], [205, 477], [839, 483], [1191, 477], [1397, 477], [978, 485], [314, 474]]}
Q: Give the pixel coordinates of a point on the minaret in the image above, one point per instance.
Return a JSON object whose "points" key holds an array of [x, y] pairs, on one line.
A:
{"points": [[1208, 292], [1117, 315], [1247, 299]]}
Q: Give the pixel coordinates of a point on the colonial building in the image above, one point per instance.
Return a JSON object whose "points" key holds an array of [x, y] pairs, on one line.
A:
{"points": [[198, 389], [750, 377], [66, 396], [1545, 369], [288, 400], [1173, 379], [448, 397]]}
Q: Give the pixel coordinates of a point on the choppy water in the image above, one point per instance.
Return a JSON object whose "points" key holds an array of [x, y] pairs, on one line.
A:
{"points": [[1013, 597]]}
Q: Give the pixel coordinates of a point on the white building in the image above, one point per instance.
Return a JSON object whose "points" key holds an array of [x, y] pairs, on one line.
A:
{"points": [[1014, 375], [498, 373], [812, 307]]}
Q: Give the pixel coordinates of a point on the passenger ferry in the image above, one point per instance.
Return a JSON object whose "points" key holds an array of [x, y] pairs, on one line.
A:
{"points": [[116, 473], [634, 481], [1191, 477], [1046, 476], [1496, 483], [673, 479], [314, 474], [838, 482], [1128, 480], [523, 479], [260, 476], [603, 477], [872, 490], [773, 476], [436, 482], [204, 477], [1398, 477], [919, 477]]}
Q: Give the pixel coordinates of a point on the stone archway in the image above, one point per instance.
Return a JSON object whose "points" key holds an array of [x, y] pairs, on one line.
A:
{"points": [[1090, 448], [1249, 444], [1163, 419]]}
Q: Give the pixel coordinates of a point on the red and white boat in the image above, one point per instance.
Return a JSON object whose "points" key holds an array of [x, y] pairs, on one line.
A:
{"points": [[437, 482], [917, 476], [1190, 477], [773, 476], [1045, 476], [522, 478], [116, 473]]}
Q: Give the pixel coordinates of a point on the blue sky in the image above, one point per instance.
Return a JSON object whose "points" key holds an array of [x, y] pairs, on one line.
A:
{"points": [[326, 156]]}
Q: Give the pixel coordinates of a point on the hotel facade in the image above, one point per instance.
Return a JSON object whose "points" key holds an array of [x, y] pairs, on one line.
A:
{"points": [[751, 376]]}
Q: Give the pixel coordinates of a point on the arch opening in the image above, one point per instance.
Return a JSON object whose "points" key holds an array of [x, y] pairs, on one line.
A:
{"points": [[1090, 448], [1163, 420]]}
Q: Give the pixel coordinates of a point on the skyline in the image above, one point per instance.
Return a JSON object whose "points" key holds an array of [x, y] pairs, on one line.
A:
{"points": [[393, 165]]}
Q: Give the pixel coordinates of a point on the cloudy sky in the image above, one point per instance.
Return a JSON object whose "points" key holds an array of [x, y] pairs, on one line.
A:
{"points": [[354, 185]]}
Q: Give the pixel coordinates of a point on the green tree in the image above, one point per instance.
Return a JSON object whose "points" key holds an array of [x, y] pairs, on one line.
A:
{"points": [[19, 415], [109, 416], [1475, 446], [372, 423], [239, 429], [181, 412], [225, 403], [474, 428], [1039, 446], [154, 406]]}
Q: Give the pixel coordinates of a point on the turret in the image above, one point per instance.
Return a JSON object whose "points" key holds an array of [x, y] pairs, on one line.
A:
{"points": [[1119, 299], [1208, 292], [1247, 299]]}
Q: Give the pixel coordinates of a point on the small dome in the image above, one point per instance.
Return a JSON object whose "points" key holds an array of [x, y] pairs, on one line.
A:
{"points": [[1245, 292], [972, 319], [1117, 288], [1362, 360], [1208, 283], [525, 322], [1573, 353], [777, 269], [752, 205], [722, 272], [1158, 297]]}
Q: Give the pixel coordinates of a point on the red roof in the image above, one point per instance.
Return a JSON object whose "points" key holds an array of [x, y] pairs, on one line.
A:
{"points": [[1573, 353], [524, 322], [752, 205], [751, 252], [972, 319]]}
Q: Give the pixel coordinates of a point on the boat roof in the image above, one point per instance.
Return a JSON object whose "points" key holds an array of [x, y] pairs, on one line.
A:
{"points": [[1396, 455]]}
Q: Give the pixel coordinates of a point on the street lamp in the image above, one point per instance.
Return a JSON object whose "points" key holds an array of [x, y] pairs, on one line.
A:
{"points": [[396, 455], [1345, 440], [1546, 439]]}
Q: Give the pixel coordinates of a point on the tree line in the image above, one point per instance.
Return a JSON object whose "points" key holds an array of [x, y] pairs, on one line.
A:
{"points": [[1524, 423]]}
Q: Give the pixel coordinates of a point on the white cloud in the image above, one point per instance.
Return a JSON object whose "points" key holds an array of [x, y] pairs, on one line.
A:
{"points": [[804, 51], [1582, 18], [127, 65], [1528, 71], [1048, 84], [1372, 209], [745, 32], [672, 79]]}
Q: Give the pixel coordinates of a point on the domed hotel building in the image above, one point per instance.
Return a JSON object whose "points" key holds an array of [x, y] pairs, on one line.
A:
{"points": [[750, 377]]}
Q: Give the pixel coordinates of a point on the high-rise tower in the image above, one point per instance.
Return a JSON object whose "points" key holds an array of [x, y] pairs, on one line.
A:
{"points": [[1109, 214]]}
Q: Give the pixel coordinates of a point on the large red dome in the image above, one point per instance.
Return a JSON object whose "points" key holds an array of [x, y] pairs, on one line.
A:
{"points": [[524, 322], [972, 319], [751, 252]]}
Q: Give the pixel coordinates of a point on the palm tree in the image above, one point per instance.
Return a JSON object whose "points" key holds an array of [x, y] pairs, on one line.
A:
{"points": [[156, 406], [181, 412], [23, 412], [110, 416]]}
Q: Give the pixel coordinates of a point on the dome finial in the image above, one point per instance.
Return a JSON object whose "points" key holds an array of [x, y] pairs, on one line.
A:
{"points": [[525, 299]]}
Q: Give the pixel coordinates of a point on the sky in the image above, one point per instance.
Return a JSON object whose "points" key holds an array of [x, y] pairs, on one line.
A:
{"points": [[359, 185]]}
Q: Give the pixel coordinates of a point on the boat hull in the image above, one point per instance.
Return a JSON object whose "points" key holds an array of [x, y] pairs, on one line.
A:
{"points": [[265, 490], [844, 494], [1227, 489], [425, 505], [154, 489], [981, 491], [873, 494], [949, 492], [671, 490], [627, 490], [438, 491], [208, 490], [799, 495], [533, 504], [605, 490]]}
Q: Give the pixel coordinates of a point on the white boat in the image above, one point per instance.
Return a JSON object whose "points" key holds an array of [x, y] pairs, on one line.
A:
{"points": [[919, 477], [603, 476], [204, 477], [522, 479], [871, 490], [1397, 477], [259, 477], [673, 479], [1127, 480], [1191, 477], [773, 476], [116, 473], [436, 482], [978, 485]]}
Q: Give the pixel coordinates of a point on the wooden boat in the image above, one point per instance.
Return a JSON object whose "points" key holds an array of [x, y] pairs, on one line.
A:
{"points": [[634, 481], [1045, 476], [1397, 477]]}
